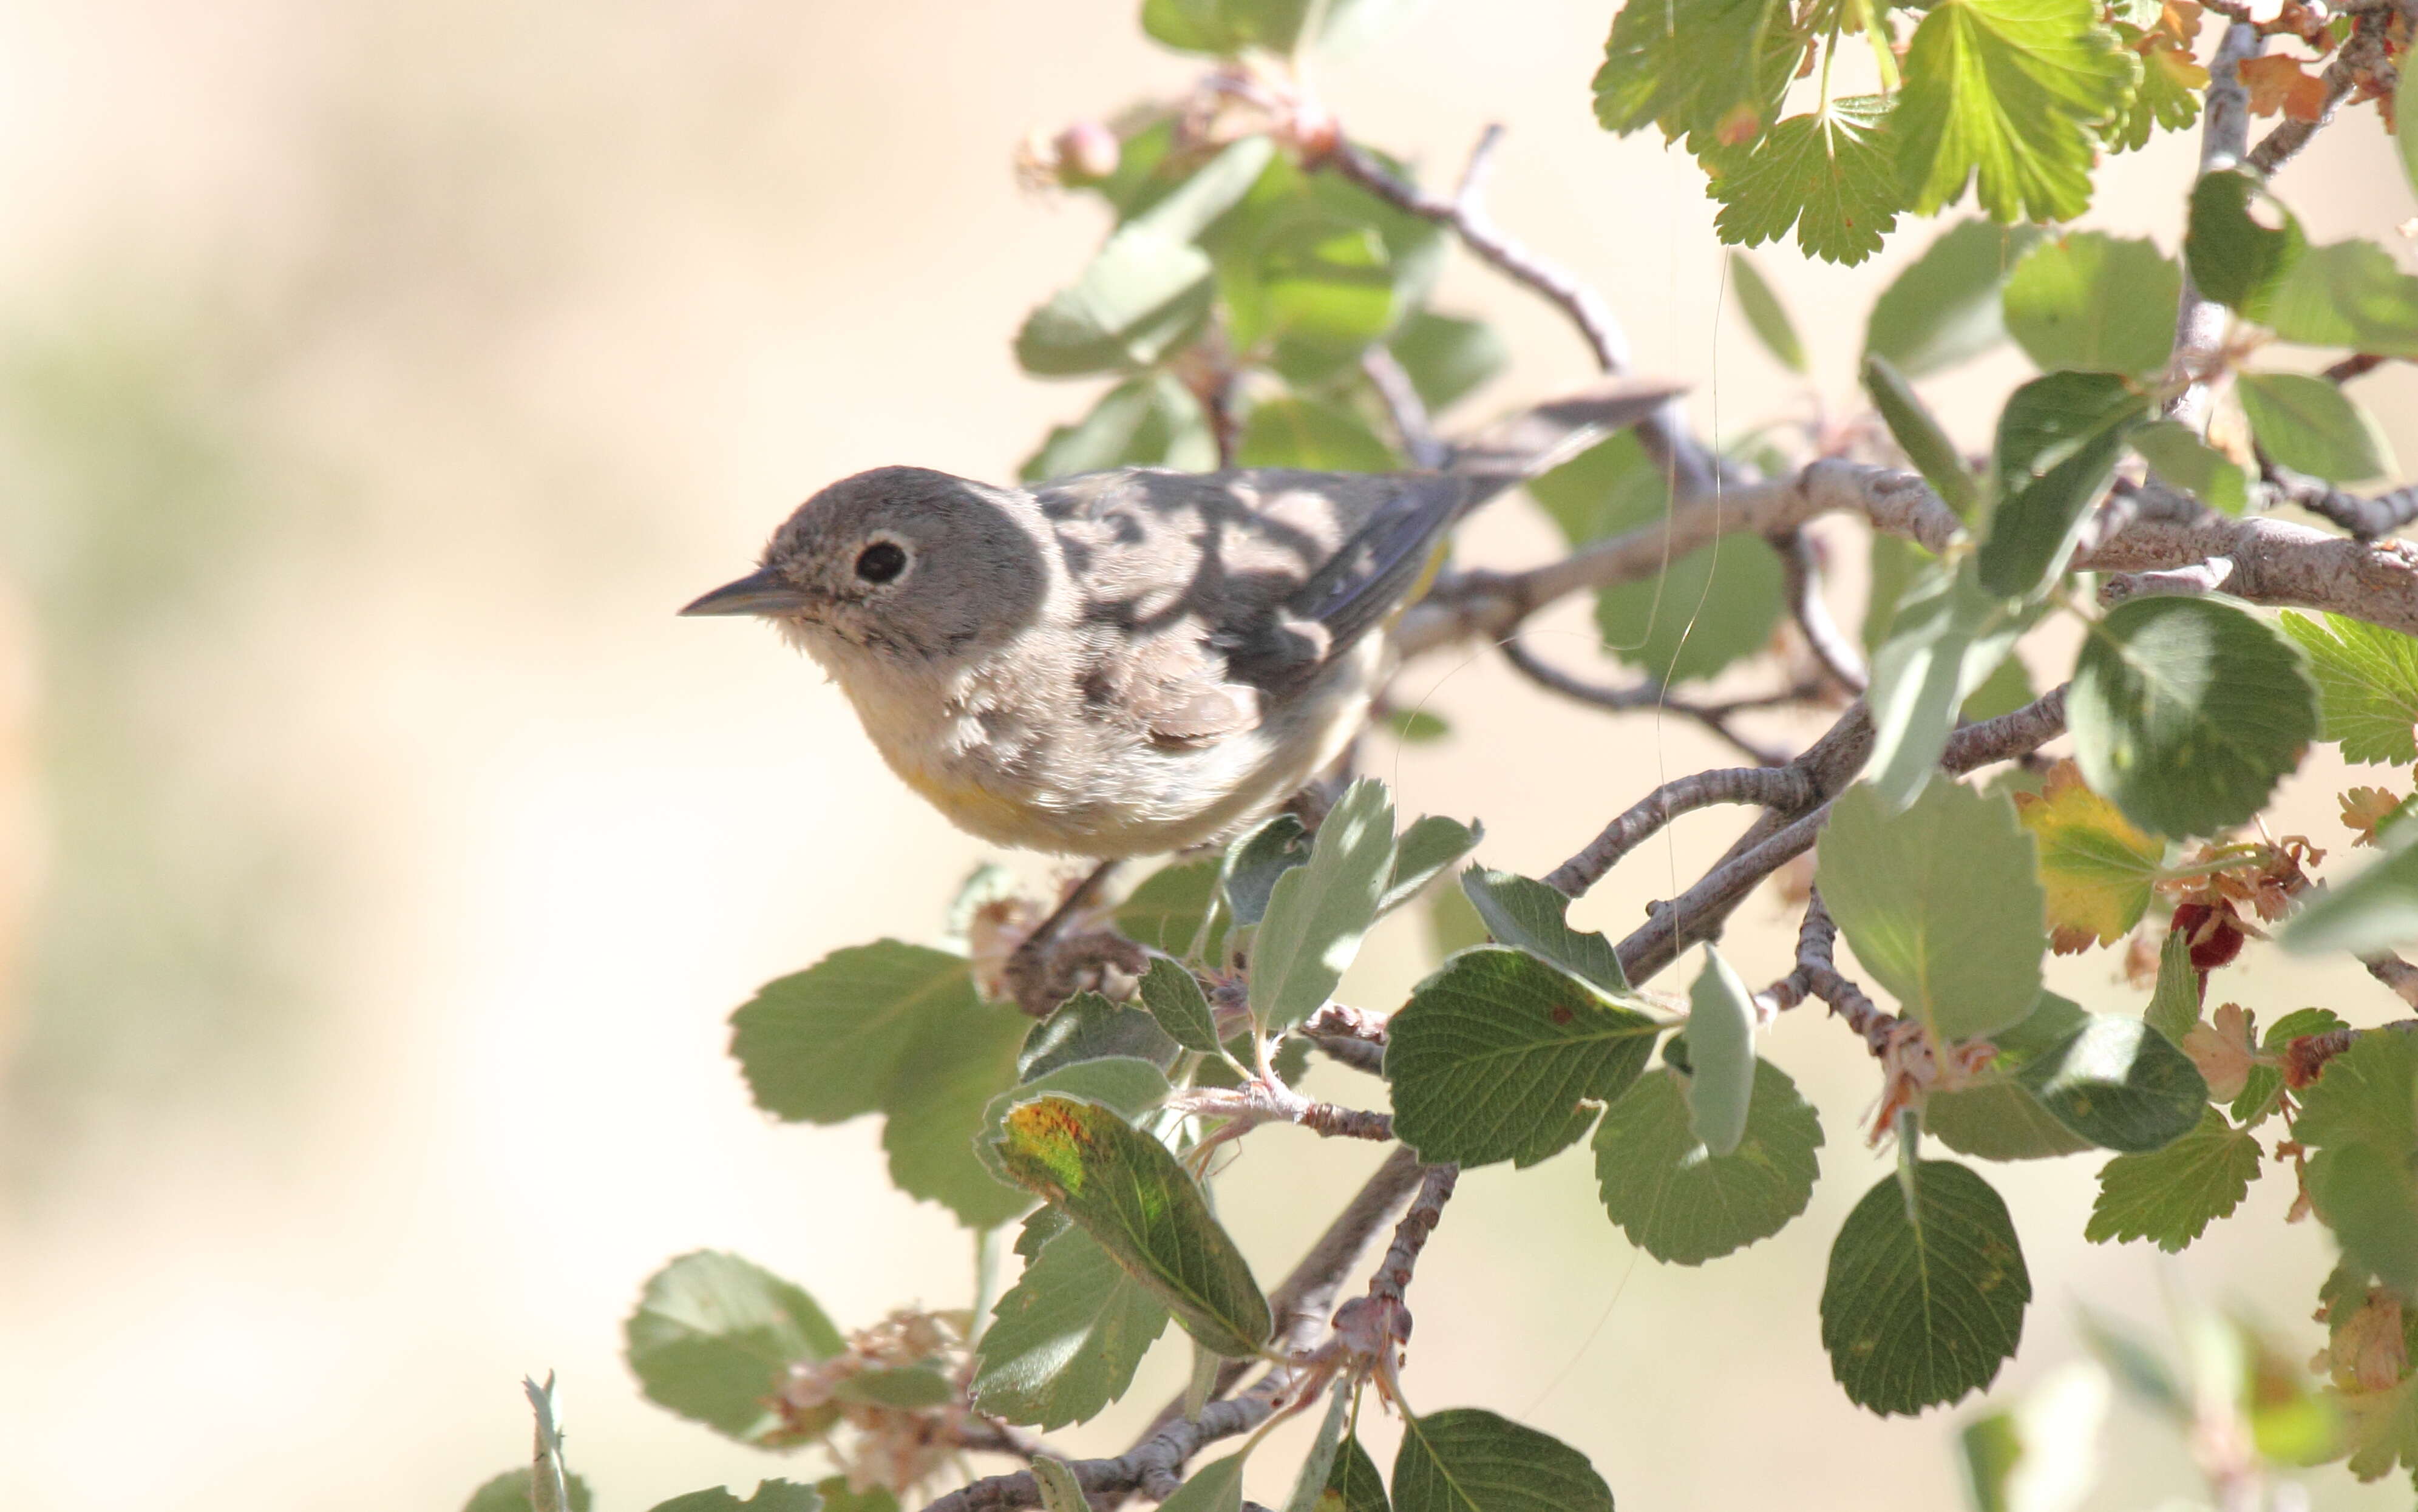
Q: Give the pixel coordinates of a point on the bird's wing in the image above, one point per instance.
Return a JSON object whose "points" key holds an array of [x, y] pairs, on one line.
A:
{"points": [[1215, 589]]}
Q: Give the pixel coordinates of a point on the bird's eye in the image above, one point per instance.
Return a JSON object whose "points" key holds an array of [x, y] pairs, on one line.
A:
{"points": [[881, 561]]}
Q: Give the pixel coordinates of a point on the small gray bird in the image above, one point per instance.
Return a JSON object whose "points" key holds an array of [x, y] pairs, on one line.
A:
{"points": [[1130, 662]]}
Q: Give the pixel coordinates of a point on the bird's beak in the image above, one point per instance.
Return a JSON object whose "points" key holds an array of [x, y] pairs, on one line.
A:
{"points": [[763, 592]]}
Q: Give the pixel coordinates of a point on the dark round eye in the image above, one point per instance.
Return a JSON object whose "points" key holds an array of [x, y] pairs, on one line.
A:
{"points": [[881, 561]]}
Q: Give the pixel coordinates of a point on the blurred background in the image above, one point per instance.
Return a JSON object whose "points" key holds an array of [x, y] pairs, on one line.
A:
{"points": [[379, 859]]}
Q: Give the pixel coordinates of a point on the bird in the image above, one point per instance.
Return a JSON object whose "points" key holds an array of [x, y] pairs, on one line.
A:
{"points": [[1137, 661]]}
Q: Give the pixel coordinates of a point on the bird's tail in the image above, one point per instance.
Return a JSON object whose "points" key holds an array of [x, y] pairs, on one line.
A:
{"points": [[1543, 436]]}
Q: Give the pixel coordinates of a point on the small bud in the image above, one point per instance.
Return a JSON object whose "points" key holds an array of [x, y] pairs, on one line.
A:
{"points": [[1087, 151]]}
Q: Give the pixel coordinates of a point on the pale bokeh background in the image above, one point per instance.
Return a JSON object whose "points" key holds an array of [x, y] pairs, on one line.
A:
{"points": [[380, 859]]}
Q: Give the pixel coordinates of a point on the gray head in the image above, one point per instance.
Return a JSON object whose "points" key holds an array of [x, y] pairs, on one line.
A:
{"points": [[898, 561]]}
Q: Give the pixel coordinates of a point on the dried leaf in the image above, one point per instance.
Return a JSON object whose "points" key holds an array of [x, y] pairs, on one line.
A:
{"points": [[2223, 1050]]}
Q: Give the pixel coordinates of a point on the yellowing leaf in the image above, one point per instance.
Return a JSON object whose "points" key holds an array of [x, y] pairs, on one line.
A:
{"points": [[2096, 867], [2222, 1049], [2365, 808]]}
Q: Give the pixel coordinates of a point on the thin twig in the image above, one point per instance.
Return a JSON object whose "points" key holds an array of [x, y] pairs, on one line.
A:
{"points": [[1691, 468], [1817, 976], [1412, 423], [1786, 787], [1651, 695], [2365, 517], [1801, 577], [1393, 1275], [1698, 913], [2395, 973], [2364, 55], [1354, 1036], [2357, 365]]}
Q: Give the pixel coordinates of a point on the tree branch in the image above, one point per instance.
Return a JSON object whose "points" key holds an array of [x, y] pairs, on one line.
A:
{"points": [[2363, 55], [1817, 976], [1788, 788], [2149, 527], [2395, 973], [2366, 518], [1665, 434], [1412, 423], [1802, 574], [1699, 913], [2198, 357], [1393, 1275], [1489, 606], [1652, 694]]}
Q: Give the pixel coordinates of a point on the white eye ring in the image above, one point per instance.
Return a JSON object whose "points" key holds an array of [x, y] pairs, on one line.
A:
{"points": [[883, 559]]}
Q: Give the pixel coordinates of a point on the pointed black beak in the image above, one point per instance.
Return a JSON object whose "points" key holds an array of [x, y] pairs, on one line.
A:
{"points": [[763, 592]]}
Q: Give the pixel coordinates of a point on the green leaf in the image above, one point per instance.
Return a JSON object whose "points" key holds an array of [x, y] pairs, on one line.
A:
{"points": [[1317, 1467], [2376, 909], [1318, 913], [838, 1496], [1468, 1460], [1141, 297], [1149, 421], [1416, 726], [1765, 314], [2092, 303], [825, 1044], [713, 1338], [2367, 684], [1453, 923], [1895, 564], [1427, 850], [2187, 712], [2170, 1197], [1495, 1052], [1945, 638], [1944, 308], [1215, 1486], [2186, 462], [2347, 294], [2368, 1094], [1448, 358], [956, 1064], [1164, 914], [1149, 288], [1253, 863], [1308, 434], [2059, 440], [510, 1492], [1942, 904], [1227, 25], [2007, 688], [2369, 1198], [2003, 94], [1059, 1490], [1065, 1341], [2120, 1084], [1173, 996], [1353, 1485], [1088, 1027], [1128, 1193], [1926, 1291], [1721, 1055], [1684, 1205], [1996, 1119], [2173, 1003], [1918, 435], [1828, 173], [2242, 241], [1712, 608], [1696, 67], [1527, 914], [2311, 426]]}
